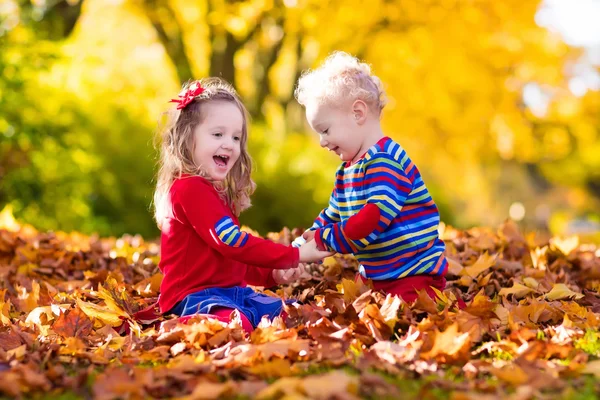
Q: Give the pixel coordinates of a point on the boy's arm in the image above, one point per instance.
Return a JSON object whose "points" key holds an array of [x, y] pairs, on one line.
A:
{"points": [[329, 215], [387, 186], [196, 202]]}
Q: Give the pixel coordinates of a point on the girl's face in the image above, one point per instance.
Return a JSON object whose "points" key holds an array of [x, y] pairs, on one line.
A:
{"points": [[217, 140]]}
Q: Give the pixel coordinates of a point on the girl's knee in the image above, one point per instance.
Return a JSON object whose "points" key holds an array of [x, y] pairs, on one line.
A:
{"points": [[223, 313]]}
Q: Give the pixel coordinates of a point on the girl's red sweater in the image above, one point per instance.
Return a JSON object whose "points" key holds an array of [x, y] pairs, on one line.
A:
{"points": [[202, 246]]}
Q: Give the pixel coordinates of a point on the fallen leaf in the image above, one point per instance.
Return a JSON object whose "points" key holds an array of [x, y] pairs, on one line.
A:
{"points": [[561, 291], [593, 368], [484, 262], [73, 323], [565, 245], [102, 314], [517, 290]]}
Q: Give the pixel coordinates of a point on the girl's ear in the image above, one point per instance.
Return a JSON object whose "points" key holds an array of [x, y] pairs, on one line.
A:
{"points": [[359, 111]]}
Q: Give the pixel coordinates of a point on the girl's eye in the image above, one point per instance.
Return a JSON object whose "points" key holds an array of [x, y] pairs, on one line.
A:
{"points": [[218, 134], [237, 138]]}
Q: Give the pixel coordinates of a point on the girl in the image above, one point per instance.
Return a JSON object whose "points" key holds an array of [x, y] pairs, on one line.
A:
{"points": [[380, 209], [203, 184]]}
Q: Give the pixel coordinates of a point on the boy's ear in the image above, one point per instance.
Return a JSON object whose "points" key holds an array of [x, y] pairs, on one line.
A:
{"points": [[359, 111]]}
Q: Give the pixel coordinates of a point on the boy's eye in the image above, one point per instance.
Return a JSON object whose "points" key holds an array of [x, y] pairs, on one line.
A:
{"points": [[326, 131]]}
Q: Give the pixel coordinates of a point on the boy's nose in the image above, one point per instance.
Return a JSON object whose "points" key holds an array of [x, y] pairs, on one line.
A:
{"points": [[323, 142]]}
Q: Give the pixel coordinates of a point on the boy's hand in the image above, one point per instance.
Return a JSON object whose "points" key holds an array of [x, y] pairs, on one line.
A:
{"points": [[291, 275], [310, 253], [308, 235]]}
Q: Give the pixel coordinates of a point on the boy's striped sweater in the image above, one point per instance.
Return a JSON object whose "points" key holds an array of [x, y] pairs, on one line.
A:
{"points": [[381, 211]]}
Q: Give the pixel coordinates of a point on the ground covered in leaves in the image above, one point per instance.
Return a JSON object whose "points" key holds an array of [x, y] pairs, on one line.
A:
{"points": [[529, 328]]}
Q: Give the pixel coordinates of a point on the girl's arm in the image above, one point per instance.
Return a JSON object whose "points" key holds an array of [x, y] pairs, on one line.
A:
{"points": [[196, 202], [387, 187], [257, 276]]}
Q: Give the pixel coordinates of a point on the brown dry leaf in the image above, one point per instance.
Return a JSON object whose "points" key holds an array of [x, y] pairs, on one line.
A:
{"points": [[73, 323], [149, 287], [28, 300], [23, 378], [287, 388], [10, 340], [394, 353], [206, 390], [42, 316], [534, 313], [593, 368], [389, 310], [482, 240], [352, 326], [285, 348], [425, 303], [119, 383], [509, 230]]}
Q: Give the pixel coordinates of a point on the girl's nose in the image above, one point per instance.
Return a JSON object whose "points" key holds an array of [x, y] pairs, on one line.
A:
{"points": [[227, 144]]}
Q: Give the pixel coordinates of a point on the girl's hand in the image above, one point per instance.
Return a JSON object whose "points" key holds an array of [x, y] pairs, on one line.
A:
{"points": [[291, 275], [310, 253]]}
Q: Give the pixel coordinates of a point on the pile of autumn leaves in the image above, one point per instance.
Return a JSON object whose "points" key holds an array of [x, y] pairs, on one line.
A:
{"points": [[529, 328]]}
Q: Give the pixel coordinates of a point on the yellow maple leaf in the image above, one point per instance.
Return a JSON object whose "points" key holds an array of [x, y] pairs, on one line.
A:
{"points": [[111, 302], [483, 262], [104, 315], [561, 291], [276, 368], [517, 290], [335, 384], [450, 343], [349, 289], [565, 245], [454, 266], [7, 221], [512, 374], [4, 309]]}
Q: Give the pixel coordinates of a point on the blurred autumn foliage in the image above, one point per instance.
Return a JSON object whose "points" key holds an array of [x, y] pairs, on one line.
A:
{"points": [[528, 328], [84, 82]]}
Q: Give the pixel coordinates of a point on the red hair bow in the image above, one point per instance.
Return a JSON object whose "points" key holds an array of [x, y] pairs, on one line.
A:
{"points": [[190, 94]]}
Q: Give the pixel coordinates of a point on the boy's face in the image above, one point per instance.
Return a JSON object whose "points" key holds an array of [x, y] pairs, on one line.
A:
{"points": [[337, 129]]}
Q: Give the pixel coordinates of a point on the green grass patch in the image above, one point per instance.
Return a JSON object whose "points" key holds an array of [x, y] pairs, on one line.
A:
{"points": [[590, 343]]}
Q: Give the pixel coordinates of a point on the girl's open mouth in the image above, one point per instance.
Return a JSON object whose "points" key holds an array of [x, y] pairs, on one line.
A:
{"points": [[221, 161]]}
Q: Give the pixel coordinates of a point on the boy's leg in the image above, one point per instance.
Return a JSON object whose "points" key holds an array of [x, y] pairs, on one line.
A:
{"points": [[408, 287]]}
